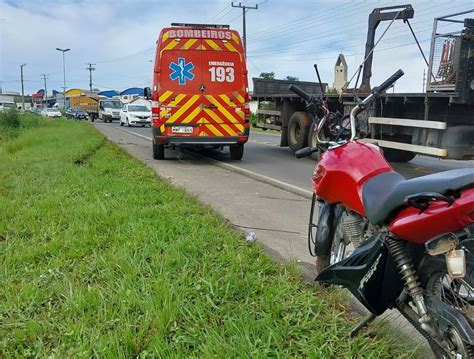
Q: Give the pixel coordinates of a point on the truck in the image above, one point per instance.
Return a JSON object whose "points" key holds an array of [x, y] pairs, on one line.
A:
{"points": [[88, 104], [103, 108], [109, 109], [438, 122]]}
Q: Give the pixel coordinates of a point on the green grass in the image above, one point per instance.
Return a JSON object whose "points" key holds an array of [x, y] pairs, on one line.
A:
{"points": [[12, 123], [100, 258]]}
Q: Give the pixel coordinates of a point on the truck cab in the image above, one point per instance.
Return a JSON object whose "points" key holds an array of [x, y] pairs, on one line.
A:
{"points": [[109, 110]]}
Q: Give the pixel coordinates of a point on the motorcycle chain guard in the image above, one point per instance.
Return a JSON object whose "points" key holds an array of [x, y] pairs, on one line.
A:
{"points": [[448, 317], [369, 273]]}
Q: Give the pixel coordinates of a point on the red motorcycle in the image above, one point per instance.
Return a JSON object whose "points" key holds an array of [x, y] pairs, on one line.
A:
{"points": [[411, 241]]}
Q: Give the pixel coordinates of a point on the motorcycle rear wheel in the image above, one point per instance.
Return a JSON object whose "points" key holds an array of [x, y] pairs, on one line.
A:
{"points": [[458, 294]]}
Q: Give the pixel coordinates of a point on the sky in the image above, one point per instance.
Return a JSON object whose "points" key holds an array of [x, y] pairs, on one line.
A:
{"points": [[284, 37]]}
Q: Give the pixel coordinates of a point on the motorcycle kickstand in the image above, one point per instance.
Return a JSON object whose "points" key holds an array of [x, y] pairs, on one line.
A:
{"points": [[363, 323]]}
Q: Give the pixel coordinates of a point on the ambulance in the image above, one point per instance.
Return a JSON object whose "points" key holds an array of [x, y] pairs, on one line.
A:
{"points": [[200, 90]]}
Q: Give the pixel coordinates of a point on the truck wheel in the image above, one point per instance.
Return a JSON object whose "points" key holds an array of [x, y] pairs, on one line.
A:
{"points": [[313, 141], [237, 151], [298, 129], [393, 155], [158, 151]]}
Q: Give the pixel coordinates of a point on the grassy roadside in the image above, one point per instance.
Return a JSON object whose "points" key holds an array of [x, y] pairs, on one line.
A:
{"points": [[98, 257], [12, 123]]}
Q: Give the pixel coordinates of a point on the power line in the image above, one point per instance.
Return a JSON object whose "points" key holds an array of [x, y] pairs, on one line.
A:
{"points": [[217, 15], [298, 24], [328, 34]]}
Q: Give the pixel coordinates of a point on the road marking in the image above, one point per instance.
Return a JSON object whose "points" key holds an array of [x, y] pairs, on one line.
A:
{"points": [[264, 143], [248, 173]]}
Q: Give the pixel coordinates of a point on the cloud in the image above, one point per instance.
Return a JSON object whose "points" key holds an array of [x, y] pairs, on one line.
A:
{"points": [[284, 37]]}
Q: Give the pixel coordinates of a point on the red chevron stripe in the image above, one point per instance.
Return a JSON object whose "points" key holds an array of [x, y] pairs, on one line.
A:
{"points": [[214, 123]]}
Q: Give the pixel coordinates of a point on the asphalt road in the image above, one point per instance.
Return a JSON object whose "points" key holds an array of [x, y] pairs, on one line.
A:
{"points": [[264, 156]]}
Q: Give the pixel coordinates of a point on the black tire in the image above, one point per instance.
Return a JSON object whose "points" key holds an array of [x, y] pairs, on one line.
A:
{"points": [[237, 151], [393, 155], [298, 129], [121, 123], [128, 123], [158, 151], [92, 119], [435, 280]]}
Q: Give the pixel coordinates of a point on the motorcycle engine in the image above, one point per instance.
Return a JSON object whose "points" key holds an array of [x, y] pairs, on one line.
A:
{"points": [[354, 229]]}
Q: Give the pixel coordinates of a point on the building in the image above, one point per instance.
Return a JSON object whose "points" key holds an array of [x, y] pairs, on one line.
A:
{"points": [[131, 93], [109, 93], [141, 101], [340, 73]]}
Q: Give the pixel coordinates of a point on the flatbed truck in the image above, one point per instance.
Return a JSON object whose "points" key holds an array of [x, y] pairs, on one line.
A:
{"points": [[438, 122]]}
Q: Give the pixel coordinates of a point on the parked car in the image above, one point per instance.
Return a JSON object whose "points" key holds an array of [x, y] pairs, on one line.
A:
{"points": [[134, 114], [7, 105], [76, 114], [36, 110], [51, 112]]}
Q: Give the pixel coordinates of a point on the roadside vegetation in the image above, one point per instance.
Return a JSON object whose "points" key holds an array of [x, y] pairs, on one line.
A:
{"points": [[12, 123], [100, 258]]}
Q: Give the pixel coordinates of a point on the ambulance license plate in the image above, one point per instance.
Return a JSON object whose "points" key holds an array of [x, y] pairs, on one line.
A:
{"points": [[182, 129]]}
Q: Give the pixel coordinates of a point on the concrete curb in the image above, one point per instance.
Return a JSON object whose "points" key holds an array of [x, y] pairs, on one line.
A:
{"points": [[251, 174]]}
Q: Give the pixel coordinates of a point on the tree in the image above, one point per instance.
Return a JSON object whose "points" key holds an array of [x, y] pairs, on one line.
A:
{"points": [[292, 78], [267, 75]]}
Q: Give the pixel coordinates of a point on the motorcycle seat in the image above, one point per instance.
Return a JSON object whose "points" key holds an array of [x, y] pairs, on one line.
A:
{"points": [[385, 193]]}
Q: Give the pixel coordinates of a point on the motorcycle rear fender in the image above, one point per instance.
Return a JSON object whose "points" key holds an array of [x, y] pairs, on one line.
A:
{"points": [[447, 317], [369, 273]]}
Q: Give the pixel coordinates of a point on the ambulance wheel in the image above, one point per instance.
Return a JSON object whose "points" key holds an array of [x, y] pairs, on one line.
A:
{"points": [[158, 151], [298, 129], [237, 151]]}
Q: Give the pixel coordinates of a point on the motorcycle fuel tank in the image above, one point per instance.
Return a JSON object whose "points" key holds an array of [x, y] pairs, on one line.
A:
{"points": [[342, 171]]}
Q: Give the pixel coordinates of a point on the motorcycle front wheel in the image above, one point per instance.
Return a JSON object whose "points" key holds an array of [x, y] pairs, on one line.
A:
{"points": [[457, 293], [338, 246]]}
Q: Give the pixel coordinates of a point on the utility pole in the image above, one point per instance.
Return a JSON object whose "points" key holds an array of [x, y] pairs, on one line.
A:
{"points": [[22, 88], [244, 10], [90, 68], [424, 79], [45, 90], [64, 74]]}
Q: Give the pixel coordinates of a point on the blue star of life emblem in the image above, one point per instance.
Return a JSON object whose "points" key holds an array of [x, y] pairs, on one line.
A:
{"points": [[182, 71]]}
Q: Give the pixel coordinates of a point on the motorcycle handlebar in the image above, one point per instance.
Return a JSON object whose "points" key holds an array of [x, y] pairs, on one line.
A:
{"points": [[305, 152], [375, 93], [299, 91], [388, 82]]}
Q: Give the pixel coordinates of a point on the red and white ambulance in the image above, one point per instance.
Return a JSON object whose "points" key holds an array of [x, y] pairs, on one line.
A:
{"points": [[200, 89]]}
